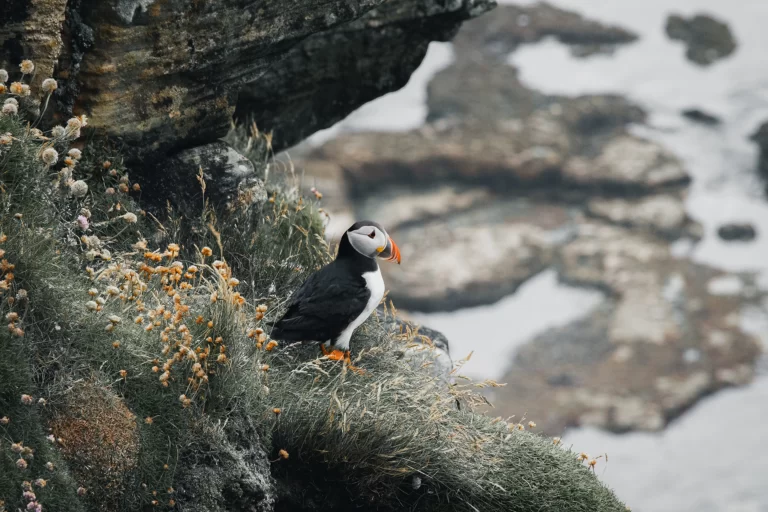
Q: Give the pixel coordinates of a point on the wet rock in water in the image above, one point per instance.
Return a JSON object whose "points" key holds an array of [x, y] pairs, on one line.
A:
{"points": [[761, 138], [628, 163], [475, 257], [645, 355], [706, 38], [230, 179], [737, 232], [662, 214], [700, 116], [514, 25]]}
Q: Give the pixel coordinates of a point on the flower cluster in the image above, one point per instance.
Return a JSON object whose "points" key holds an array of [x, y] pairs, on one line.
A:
{"points": [[175, 303]]}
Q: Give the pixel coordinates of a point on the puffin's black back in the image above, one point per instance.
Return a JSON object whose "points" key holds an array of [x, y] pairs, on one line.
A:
{"points": [[329, 300]]}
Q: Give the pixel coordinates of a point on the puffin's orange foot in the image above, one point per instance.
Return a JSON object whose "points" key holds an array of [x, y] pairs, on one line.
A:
{"points": [[336, 355], [324, 349], [348, 362]]}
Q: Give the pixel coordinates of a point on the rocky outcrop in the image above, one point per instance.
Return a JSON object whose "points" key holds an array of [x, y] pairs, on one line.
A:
{"points": [[328, 75], [164, 76], [663, 339], [707, 39]]}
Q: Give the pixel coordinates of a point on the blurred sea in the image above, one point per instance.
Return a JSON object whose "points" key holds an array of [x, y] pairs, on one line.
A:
{"points": [[714, 458]]}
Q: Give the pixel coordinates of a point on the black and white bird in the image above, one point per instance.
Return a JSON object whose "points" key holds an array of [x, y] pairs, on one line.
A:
{"points": [[338, 298]]}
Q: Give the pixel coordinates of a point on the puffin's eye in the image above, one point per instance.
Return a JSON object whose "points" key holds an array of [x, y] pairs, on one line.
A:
{"points": [[372, 234]]}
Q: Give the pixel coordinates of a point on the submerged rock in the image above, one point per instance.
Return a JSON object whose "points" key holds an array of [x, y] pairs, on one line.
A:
{"points": [[737, 232], [700, 116], [707, 39]]}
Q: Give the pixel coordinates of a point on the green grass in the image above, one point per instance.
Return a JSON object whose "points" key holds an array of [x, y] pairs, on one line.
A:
{"points": [[210, 439]]}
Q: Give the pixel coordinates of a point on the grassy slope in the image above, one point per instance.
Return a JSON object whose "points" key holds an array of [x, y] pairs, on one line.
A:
{"points": [[393, 438]]}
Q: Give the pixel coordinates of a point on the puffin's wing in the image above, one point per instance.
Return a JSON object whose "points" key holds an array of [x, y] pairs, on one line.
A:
{"points": [[323, 306]]}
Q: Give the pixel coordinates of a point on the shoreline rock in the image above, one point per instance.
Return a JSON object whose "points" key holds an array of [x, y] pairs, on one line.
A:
{"points": [[707, 40]]}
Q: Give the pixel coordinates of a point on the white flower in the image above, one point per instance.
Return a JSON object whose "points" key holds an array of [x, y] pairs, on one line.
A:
{"points": [[3, 76], [10, 108], [115, 319], [130, 218], [75, 153], [27, 67], [50, 85], [58, 131], [6, 140], [79, 188], [25, 90], [74, 124], [12, 100], [50, 156]]}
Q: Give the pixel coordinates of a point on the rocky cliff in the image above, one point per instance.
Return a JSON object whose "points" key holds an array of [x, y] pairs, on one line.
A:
{"points": [[163, 75]]}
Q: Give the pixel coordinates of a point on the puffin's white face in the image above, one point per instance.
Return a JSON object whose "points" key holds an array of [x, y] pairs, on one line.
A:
{"points": [[372, 241]]}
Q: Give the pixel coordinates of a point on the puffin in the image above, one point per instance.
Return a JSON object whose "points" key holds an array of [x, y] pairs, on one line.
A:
{"points": [[334, 301]]}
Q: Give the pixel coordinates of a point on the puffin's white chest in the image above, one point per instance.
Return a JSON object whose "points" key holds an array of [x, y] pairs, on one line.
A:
{"points": [[375, 284]]}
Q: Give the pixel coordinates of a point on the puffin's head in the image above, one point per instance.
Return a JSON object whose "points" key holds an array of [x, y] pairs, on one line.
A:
{"points": [[369, 239]]}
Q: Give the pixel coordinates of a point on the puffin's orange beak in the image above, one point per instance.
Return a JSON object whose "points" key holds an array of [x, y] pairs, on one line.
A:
{"points": [[392, 252]]}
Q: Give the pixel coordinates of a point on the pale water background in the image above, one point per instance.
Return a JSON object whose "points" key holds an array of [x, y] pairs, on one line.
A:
{"points": [[715, 457]]}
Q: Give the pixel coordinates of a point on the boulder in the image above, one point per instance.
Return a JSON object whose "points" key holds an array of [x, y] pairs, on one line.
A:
{"points": [[706, 38]]}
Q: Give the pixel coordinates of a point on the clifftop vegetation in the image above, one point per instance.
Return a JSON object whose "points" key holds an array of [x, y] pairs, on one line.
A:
{"points": [[137, 372]]}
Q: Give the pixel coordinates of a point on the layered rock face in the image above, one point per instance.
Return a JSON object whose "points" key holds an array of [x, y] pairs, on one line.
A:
{"points": [[167, 75], [504, 181]]}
